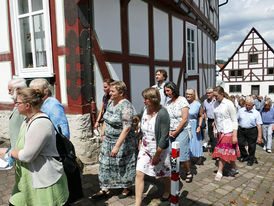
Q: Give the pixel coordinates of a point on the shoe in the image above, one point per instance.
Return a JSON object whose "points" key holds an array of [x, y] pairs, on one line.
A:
{"points": [[189, 177], [164, 199], [233, 172], [218, 176], [250, 163], [243, 159], [99, 195], [268, 151], [200, 161], [264, 148], [125, 194]]}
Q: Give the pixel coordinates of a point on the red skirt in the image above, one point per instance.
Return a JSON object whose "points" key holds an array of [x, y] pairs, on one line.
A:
{"points": [[225, 149]]}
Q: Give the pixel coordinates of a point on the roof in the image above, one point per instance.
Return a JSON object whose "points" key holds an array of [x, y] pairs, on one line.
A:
{"points": [[252, 30]]}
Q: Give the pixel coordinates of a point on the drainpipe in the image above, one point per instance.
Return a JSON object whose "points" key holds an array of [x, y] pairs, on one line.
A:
{"points": [[223, 3]]}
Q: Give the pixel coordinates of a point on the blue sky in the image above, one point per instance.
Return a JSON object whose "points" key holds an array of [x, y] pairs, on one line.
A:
{"points": [[237, 18]]}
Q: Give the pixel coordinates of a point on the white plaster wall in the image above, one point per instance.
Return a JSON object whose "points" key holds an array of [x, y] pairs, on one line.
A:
{"points": [[176, 72], [139, 78], [200, 45], [177, 38], [63, 79], [4, 28], [60, 21], [191, 84], [246, 88], [138, 27], [205, 48], [161, 35], [5, 76], [106, 19]]}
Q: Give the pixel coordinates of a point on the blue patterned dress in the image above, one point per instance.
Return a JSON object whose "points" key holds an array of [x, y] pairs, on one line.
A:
{"points": [[195, 144], [118, 171]]}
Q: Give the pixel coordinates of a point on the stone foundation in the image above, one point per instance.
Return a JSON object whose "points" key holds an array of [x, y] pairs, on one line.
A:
{"points": [[86, 145]]}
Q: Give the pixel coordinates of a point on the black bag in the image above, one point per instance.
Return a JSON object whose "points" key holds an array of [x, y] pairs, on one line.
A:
{"points": [[67, 155]]}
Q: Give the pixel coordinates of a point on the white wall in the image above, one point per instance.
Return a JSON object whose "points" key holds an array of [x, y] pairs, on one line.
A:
{"points": [[63, 79], [5, 76], [161, 35], [4, 28], [60, 21], [177, 38], [138, 27], [107, 22], [139, 78]]}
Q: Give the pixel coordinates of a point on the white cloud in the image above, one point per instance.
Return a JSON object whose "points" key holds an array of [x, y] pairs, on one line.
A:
{"points": [[238, 17]]}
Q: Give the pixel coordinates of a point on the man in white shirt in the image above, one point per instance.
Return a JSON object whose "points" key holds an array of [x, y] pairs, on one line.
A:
{"points": [[161, 76]]}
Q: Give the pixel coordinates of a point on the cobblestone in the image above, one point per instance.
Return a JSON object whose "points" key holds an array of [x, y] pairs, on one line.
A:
{"points": [[253, 186]]}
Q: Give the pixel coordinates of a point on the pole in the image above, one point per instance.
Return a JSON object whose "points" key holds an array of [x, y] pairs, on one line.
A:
{"points": [[175, 174]]}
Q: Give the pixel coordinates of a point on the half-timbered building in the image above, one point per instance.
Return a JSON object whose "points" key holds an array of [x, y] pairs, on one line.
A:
{"points": [[250, 70], [75, 44]]}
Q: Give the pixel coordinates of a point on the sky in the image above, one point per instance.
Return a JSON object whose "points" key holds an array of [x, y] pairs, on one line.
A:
{"points": [[237, 18]]}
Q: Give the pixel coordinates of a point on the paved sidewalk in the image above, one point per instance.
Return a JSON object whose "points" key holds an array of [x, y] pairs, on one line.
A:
{"points": [[252, 186]]}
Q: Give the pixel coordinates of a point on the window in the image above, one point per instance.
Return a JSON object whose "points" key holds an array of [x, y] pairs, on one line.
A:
{"points": [[270, 70], [236, 73], [253, 58], [191, 51], [271, 89], [31, 38], [235, 88]]}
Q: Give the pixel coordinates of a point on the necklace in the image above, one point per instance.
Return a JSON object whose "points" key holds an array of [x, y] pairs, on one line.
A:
{"points": [[29, 118]]}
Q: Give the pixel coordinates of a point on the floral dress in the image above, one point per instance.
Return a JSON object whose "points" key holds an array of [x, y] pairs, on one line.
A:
{"points": [[118, 171], [148, 150]]}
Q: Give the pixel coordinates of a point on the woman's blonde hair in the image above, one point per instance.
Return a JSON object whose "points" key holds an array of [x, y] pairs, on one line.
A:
{"points": [[194, 92], [268, 102], [43, 85], [153, 95], [32, 96], [120, 86]]}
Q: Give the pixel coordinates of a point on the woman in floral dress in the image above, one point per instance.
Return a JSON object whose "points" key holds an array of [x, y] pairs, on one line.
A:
{"points": [[117, 157], [153, 158]]}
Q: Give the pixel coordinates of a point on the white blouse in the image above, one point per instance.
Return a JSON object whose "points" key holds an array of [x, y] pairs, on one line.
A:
{"points": [[175, 111], [225, 116]]}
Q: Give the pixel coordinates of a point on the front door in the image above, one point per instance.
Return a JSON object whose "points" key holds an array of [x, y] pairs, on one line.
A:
{"points": [[255, 89]]}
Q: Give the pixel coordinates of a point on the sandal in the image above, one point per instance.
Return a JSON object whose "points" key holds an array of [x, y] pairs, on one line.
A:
{"points": [[218, 176], [189, 177], [125, 194], [100, 194]]}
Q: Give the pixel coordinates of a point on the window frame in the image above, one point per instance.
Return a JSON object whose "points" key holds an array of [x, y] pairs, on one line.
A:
{"points": [[269, 89], [234, 88], [20, 71], [193, 71], [236, 71], [270, 69], [249, 58]]}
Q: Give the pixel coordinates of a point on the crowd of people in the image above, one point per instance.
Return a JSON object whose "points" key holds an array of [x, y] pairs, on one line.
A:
{"points": [[134, 143]]}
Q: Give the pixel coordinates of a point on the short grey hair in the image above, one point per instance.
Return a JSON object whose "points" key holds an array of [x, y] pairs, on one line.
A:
{"points": [[209, 89], [18, 83], [43, 85], [249, 99]]}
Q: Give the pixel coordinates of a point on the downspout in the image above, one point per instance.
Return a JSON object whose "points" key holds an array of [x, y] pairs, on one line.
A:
{"points": [[93, 107], [223, 3]]}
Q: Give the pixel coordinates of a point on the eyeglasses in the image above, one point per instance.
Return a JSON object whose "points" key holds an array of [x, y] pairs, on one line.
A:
{"points": [[19, 103], [209, 92]]}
